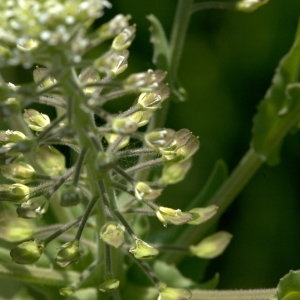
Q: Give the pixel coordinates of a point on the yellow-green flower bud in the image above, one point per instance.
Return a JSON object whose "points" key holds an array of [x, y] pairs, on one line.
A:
{"points": [[212, 246], [141, 117], [69, 253], [11, 136], [202, 214], [168, 293], [36, 120], [33, 208], [18, 171], [173, 216], [160, 138], [41, 76], [112, 137], [142, 250], [153, 100], [113, 234], [124, 39], [15, 192], [112, 63], [144, 192], [124, 125], [250, 5], [27, 252], [109, 285], [174, 172], [87, 76], [71, 195], [145, 81]]}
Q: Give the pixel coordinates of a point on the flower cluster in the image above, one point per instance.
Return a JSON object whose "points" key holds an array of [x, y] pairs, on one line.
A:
{"points": [[119, 166]]}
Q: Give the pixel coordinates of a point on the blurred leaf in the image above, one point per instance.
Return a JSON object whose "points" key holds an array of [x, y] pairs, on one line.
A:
{"points": [[171, 276], [289, 286], [210, 284], [275, 108], [160, 43]]}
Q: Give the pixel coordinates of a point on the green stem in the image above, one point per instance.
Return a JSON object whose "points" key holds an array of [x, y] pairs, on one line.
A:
{"points": [[212, 5], [36, 275]]}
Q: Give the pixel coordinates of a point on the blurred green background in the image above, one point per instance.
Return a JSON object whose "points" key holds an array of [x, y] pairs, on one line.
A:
{"points": [[227, 65]]}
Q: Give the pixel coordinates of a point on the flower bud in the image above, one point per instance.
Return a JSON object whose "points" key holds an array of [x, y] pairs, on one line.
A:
{"points": [[250, 5], [15, 229], [71, 195], [153, 100], [15, 192], [33, 208], [174, 172], [212, 246], [160, 138], [112, 63], [124, 39], [67, 291], [113, 27], [109, 285], [41, 76], [36, 120], [18, 171], [141, 117], [202, 214], [144, 192], [69, 253], [11, 136], [124, 125], [142, 250], [173, 216], [112, 234], [112, 137], [27, 252], [145, 81], [168, 293], [87, 76], [51, 160]]}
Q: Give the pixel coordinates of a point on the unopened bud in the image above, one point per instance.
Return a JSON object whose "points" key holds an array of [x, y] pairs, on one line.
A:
{"points": [[124, 39], [113, 137], [33, 208], [67, 291], [36, 120], [160, 138], [124, 125], [142, 250], [41, 76], [141, 117], [168, 293], [11, 136], [212, 246], [15, 192], [69, 253], [144, 192], [173, 216], [145, 81], [15, 229], [202, 214], [250, 5], [109, 285], [105, 160], [153, 100], [71, 195], [113, 234], [174, 172], [18, 171], [27, 252]]}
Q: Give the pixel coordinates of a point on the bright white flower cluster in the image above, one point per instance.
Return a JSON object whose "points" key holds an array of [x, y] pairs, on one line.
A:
{"points": [[26, 24]]}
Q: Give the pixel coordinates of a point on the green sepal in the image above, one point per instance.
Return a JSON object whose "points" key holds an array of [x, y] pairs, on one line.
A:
{"points": [[289, 286]]}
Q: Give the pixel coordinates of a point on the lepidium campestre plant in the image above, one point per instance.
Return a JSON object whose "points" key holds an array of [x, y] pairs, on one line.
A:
{"points": [[103, 187]]}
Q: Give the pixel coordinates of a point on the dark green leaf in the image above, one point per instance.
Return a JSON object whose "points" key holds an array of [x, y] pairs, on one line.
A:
{"points": [[270, 123]]}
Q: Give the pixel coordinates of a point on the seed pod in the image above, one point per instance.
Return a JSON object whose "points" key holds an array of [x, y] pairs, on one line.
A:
{"points": [[27, 252]]}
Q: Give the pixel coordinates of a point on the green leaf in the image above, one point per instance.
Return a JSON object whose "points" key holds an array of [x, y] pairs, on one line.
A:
{"points": [[171, 276], [160, 43], [273, 120], [289, 286]]}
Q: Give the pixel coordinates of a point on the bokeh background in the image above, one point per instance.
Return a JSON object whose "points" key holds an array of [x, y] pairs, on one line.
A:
{"points": [[227, 65]]}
